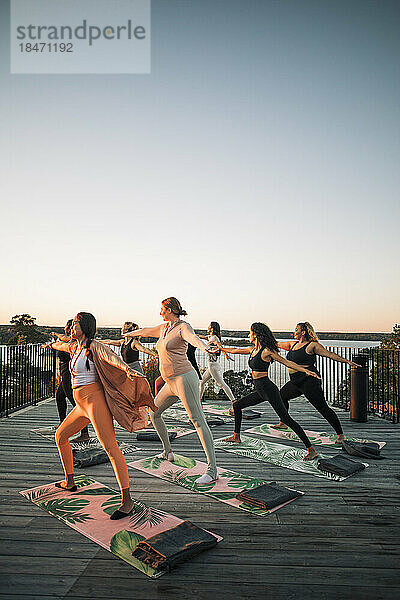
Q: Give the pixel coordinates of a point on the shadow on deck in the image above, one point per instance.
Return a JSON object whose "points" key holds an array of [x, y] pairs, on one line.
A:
{"points": [[339, 541]]}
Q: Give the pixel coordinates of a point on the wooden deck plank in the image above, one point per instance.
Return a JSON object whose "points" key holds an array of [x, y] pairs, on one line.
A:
{"points": [[341, 540]]}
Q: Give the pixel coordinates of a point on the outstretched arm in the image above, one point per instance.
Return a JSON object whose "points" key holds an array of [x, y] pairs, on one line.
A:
{"points": [[219, 346], [285, 345], [117, 343], [145, 332], [143, 349], [322, 351], [61, 336], [232, 350], [104, 353], [189, 336], [62, 346], [288, 363]]}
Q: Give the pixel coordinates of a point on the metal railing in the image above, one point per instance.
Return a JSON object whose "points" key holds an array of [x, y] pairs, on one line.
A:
{"points": [[27, 375]]}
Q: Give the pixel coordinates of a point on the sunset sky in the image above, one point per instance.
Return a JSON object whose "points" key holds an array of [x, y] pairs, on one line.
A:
{"points": [[254, 174]]}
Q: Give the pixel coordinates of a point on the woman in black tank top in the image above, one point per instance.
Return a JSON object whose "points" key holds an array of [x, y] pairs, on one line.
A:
{"points": [[130, 347], [263, 351], [303, 350]]}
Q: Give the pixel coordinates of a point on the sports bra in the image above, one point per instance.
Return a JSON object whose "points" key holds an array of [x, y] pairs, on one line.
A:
{"points": [[300, 357], [256, 363], [129, 354]]}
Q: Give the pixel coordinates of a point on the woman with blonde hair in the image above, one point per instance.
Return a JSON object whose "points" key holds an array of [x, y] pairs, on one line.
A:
{"points": [[104, 387], [181, 381], [130, 349], [303, 350]]}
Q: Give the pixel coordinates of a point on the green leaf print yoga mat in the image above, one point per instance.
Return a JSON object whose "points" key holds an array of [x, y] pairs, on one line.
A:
{"points": [[88, 510], [180, 431], [276, 454], [317, 439], [184, 471]]}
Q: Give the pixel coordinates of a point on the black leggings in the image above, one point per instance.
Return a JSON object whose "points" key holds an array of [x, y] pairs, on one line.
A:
{"points": [[312, 389], [63, 392], [266, 391]]}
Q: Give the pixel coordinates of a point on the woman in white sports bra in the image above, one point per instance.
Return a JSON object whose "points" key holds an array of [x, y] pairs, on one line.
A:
{"points": [[181, 380], [104, 387]]}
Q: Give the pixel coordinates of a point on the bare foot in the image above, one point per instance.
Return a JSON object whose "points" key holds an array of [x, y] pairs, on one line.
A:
{"points": [[280, 426], [312, 453], [234, 438]]}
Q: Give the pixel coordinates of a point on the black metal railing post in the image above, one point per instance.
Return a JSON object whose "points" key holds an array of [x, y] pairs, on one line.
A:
{"points": [[359, 377]]}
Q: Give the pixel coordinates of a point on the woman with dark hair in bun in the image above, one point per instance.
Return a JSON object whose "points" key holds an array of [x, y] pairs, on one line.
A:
{"points": [[303, 350], [263, 351], [181, 381], [104, 387]]}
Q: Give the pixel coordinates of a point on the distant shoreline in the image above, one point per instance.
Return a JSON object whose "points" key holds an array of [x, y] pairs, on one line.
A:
{"points": [[114, 333]]}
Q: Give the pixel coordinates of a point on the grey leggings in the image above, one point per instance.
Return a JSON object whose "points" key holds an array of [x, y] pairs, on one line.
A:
{"points": [[186, 388], [214, 371]]}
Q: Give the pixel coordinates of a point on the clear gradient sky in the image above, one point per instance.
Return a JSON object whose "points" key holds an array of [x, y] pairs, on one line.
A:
{"points": [[254, 174]]}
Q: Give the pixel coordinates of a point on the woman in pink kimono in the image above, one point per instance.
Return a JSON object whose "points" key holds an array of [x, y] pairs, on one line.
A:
{"points": [[104, 387]]}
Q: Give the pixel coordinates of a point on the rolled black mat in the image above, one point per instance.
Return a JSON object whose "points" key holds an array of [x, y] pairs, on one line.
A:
{"points": [[171, 547]]}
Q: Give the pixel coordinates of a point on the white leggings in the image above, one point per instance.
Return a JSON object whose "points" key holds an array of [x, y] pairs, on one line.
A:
{"points": [[214, 371], [186, 388]]}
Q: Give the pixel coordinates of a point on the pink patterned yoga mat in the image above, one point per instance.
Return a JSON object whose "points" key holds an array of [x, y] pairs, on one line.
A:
{"points": [[217, 409], [319, 439], [184, 471], [88, 510]]}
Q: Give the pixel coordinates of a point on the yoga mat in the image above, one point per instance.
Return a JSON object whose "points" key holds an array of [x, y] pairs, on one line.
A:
{"points": [[184, 471], [276, 454], [180, 431], [217, 409], [317, 439], [88, 510], [48, 434]]}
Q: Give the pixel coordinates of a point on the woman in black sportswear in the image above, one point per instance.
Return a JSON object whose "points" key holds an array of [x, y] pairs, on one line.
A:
{"points": [[263, 352], [303, 350], [130, 347]]}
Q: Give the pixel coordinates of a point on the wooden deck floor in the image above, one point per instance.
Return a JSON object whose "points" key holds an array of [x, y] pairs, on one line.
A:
{"points": [[340, 541]]}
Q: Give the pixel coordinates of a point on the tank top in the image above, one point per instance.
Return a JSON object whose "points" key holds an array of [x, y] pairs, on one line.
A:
{"points": [[300, 357], [80, 374], [256, 363], [129, 354], [172, 351], [64, 358]]}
